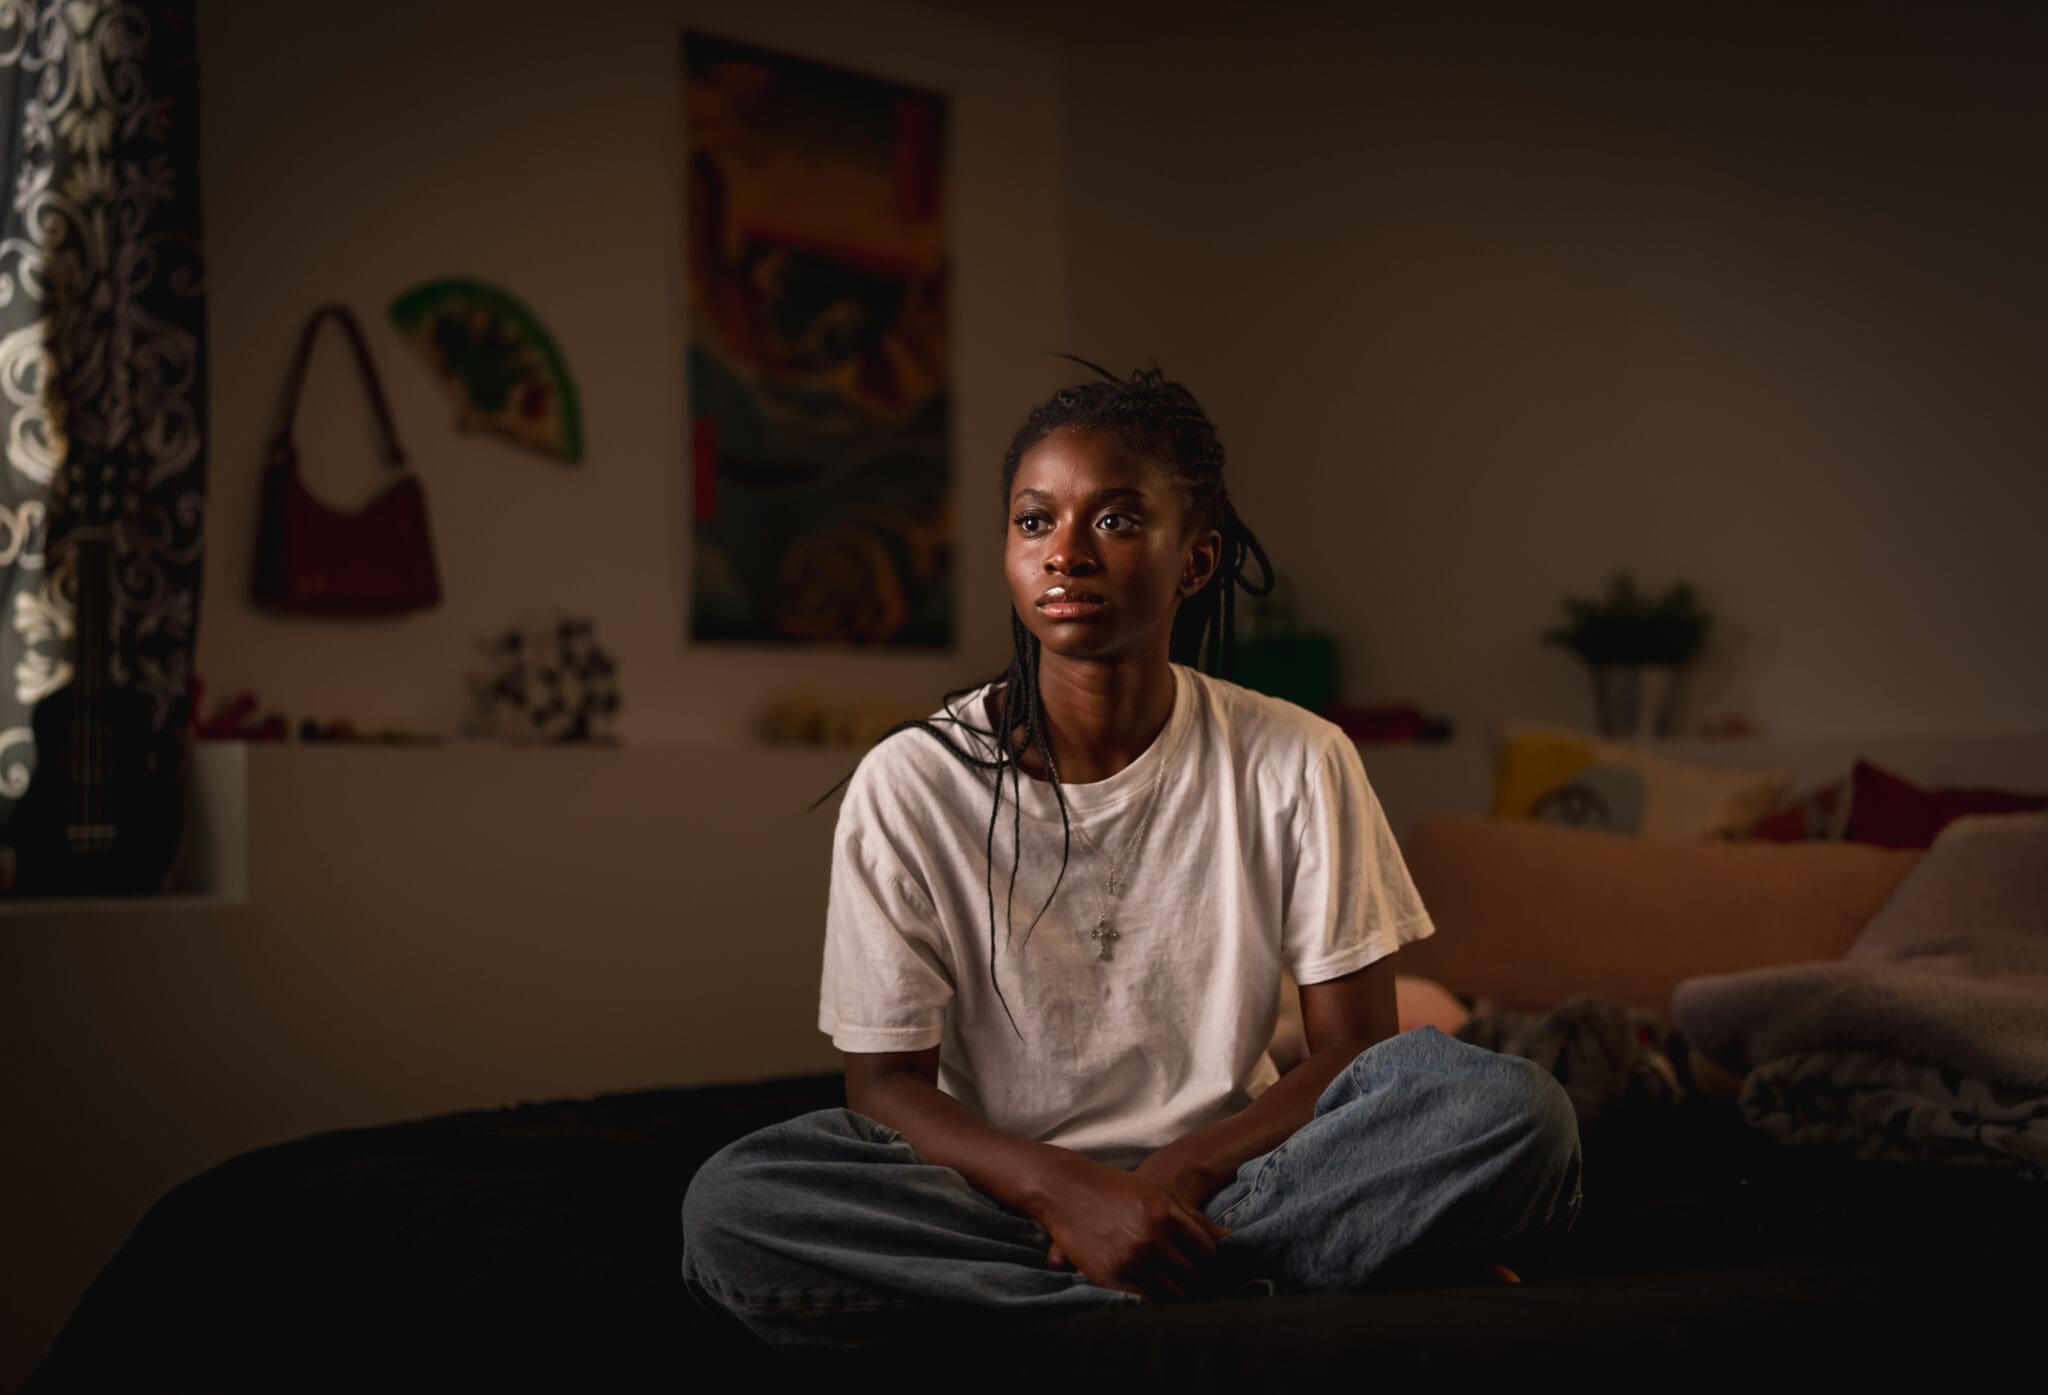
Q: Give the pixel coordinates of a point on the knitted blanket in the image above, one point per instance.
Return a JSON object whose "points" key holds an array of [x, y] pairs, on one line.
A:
{"points": [[1928, 1040]]}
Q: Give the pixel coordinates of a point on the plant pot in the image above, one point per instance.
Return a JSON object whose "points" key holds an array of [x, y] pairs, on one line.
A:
{"points": [[1636, 701]]}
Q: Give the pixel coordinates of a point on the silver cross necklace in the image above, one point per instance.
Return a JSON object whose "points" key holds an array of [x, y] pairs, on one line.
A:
{"points": [[1104, 933]]}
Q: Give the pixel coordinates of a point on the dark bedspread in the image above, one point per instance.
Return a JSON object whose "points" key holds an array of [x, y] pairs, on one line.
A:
{"points": [[542, 1243]]}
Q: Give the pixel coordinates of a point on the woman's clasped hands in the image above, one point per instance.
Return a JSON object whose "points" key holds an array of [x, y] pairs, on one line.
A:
{"points": [[1134, 1231]]}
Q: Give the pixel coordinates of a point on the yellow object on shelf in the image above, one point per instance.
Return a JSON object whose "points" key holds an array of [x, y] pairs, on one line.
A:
{"points": [[806, 720]]}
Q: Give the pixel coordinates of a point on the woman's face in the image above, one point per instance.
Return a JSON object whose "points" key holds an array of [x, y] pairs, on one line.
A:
{"points": [[1099, 551]]}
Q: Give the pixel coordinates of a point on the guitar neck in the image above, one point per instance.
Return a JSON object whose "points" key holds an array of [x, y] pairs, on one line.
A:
{"points": [[91, 541]]}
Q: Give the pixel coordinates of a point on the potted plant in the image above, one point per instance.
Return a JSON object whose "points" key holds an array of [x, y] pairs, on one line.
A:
{"points": [[1636, 648]]}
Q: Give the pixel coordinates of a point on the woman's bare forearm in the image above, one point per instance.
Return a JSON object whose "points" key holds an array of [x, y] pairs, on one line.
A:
{"points": [[1209, 1157], [1015, 1171], [1341, 1017]]}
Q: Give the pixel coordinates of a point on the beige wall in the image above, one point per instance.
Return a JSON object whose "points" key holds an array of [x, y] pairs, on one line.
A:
{"points": [[432, 930], [1487, 299], [540, 146]]}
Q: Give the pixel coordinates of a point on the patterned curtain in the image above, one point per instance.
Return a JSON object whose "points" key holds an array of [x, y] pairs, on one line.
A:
{"points": [[102, 336]]}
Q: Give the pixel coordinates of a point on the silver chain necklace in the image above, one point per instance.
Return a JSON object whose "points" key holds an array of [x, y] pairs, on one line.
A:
{"points": [[1104, 933]]}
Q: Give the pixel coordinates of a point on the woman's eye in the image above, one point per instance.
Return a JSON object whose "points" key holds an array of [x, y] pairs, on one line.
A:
{"points": [[1029, 525], [1123, 522]]}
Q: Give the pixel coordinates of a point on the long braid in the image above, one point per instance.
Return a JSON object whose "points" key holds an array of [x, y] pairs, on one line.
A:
{"points": [[1160, 419]]}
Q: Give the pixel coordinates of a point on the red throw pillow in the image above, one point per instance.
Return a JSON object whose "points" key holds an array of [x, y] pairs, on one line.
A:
{"points": [[1896, 813]]}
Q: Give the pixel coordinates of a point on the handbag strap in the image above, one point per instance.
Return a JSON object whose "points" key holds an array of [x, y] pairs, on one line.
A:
{"points": [[282, 444]]}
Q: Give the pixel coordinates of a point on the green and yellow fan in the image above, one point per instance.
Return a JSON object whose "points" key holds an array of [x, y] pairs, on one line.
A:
{"points": [[499, 367]]}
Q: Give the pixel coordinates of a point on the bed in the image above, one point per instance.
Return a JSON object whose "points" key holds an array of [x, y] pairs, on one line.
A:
{"points": [[502, 1246]]}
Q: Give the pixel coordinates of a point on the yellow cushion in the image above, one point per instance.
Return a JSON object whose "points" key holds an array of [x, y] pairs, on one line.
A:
{"points": [[1531, 763], [1558, 775]]}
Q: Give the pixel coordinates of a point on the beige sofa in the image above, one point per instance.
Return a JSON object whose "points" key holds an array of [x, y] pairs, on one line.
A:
{"points": [[1529, 913]]}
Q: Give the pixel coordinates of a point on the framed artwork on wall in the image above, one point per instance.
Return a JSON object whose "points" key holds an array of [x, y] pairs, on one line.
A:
{"points": [[820, 393]]}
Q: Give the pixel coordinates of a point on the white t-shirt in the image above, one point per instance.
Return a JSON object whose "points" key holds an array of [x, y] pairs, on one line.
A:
{"points": [[1268, 848]]}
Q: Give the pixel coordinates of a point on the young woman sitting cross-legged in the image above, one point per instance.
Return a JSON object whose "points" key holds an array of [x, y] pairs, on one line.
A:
{"points": [[1060, 910]]}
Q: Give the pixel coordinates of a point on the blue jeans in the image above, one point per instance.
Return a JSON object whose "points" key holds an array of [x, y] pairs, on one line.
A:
{"points": [[815, 1232]]}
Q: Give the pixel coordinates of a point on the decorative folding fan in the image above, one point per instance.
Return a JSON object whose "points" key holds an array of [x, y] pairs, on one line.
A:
{"points": [[499, 367]]}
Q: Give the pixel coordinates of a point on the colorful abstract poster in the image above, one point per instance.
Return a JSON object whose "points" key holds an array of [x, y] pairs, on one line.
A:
{"points": [[819, 382]]}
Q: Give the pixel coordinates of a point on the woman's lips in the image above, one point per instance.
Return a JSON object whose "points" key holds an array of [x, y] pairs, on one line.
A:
{"points": [[1071, 610], [1070, 603]]}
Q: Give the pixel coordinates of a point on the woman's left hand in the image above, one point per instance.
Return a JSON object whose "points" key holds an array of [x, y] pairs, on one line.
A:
{"points": [[1172, 1169]]}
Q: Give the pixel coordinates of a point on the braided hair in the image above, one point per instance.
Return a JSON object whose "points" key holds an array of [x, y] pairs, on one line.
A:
{"points": [[1159, 419]]}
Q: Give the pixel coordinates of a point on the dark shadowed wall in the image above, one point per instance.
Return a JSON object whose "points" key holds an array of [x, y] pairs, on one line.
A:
{"points": [[1488, 299]]}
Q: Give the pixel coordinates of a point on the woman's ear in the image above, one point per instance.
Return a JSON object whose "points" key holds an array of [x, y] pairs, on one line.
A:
{"points": [[1203, 557]]}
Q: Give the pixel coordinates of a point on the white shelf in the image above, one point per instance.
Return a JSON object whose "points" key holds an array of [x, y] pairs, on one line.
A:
{"points": [[373, 780], [158, 901]]}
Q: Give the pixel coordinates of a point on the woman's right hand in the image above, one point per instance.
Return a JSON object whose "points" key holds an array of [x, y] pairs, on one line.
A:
{"points": [[1126, 1231]]}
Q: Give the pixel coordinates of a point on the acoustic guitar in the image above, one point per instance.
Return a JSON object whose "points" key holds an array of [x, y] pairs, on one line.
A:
{"points": [[103, 811]]}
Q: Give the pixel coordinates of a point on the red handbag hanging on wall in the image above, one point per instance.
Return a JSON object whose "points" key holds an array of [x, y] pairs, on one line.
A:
{"points": [[315, 560]]}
